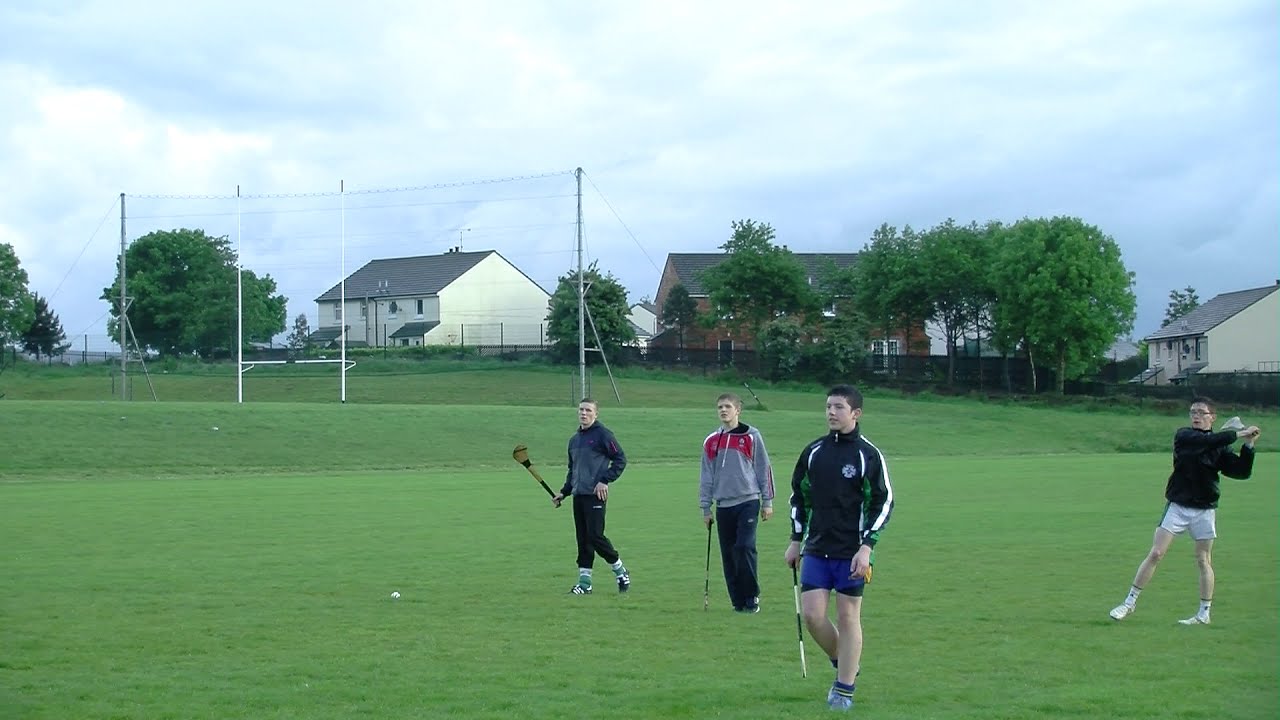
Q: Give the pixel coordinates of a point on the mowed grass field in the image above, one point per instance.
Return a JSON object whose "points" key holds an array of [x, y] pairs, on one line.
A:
{"points": [[153, 567]]}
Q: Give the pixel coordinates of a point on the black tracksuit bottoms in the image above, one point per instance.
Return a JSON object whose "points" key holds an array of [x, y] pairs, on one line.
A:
{"points": [[588, 524], [737, 527]]}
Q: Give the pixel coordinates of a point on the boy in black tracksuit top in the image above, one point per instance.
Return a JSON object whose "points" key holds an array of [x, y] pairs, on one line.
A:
{"points": [[841, 499], [1199, 454], [595, 460]]}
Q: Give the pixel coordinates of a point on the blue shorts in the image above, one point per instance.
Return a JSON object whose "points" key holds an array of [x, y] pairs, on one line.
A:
{"points": [[824, 573]]}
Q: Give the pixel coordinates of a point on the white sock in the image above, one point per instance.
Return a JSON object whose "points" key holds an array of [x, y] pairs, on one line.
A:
{"points": [[618, 568], [585, 573], [1133, 596], [1204, 607]]}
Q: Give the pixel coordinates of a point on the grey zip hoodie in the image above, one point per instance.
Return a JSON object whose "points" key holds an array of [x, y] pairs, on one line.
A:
{"points": [[735, 469]]}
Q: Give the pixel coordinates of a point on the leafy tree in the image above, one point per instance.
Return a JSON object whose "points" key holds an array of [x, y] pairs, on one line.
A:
{"points": [[45, 336], [842, 345], [17, 308], [1063, 291], [757, 282], [1181, 302], [606, 302], [298, 339], [779, 347], [183, 285], [953, 260], [679, 312], [888, 284]]}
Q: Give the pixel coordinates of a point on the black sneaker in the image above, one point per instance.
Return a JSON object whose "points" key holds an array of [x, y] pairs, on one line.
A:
{"points": [[579, 590], [624, 582]]}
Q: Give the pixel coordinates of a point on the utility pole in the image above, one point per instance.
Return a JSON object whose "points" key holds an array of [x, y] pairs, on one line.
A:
{"points": [[582, 298], [124, 308]]}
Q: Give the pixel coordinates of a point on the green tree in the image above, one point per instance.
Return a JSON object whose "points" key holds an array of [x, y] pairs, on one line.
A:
{"points": [[888, 284], [1063, 291], [1181, 302], [299, 338], [45, 336], [679, 311], [17, 307], [606, 302], [757, 282], [953, 260], [779, 345], [183, 285]]}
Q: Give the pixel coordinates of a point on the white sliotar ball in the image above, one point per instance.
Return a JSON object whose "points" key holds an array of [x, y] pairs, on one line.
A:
{"points": [[395, 595]]}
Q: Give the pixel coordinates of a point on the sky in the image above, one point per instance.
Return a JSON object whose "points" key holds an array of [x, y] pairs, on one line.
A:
{"points": [[1155, 121]]}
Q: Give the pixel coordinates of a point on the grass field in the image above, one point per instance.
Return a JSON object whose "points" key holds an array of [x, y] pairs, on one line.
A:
{"points": [[156, 568]]}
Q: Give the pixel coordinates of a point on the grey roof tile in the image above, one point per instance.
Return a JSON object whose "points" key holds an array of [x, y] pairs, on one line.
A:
{"points": [[687, 266], [415, 329], [1212, 313], [423, 275]]}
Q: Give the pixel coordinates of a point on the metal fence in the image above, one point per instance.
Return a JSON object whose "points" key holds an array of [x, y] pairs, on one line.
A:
{"points": [[984, 375]]}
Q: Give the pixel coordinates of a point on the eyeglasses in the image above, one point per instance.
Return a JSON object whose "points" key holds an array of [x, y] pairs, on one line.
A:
{"points": [[1201, 412]]}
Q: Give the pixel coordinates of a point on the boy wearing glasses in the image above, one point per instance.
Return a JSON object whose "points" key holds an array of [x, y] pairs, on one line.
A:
{"points": [[1199, 454]]}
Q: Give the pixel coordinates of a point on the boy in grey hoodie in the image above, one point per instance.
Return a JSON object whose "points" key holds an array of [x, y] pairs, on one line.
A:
{"points": [[737, 477]]}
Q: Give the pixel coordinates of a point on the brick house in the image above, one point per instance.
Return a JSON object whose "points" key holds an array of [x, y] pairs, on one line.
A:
{"points": [[686, 269]]}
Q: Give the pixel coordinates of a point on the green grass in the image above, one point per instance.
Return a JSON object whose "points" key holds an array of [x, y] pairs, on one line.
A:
{"points": [[155, 568]]}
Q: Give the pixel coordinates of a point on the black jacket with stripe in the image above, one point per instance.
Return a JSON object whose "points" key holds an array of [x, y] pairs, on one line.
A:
{"points": [[841, 497]]}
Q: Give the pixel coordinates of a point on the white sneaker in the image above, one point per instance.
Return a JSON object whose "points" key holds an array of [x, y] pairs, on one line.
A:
{"points": [[1197, 619], [1122, 611]]}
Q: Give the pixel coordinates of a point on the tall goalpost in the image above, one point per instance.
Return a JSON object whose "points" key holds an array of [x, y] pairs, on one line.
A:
{"points": [[242, 366]]}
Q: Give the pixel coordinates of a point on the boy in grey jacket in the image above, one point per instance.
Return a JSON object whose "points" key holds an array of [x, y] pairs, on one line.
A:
{"points": [[737, 476]]}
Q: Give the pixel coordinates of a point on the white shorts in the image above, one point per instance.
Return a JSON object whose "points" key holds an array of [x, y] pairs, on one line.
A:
{"points": [[1200, 522]]}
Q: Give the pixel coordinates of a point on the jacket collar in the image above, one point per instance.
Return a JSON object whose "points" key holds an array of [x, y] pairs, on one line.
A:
{"points": [[848, 437]]}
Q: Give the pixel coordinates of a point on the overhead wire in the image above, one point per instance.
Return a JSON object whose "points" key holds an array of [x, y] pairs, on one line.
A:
{"points": [[114, 204]]}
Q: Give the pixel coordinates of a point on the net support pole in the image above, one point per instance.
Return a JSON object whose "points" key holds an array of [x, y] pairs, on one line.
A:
{"points": [[582, 298], [239, 304], [342, 293], [122, 318]]}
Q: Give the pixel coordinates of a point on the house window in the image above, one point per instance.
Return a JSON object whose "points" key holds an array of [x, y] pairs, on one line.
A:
{"points": [[364, 309], [830, 310], [1202, 349], [419, 313], [337, 311], [880, 346], [392, 308], [404, 342]]}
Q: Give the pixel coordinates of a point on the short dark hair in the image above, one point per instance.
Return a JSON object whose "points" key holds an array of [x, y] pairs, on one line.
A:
{"points": [[1202, 400], [594, 404], [737, 401], [849, 393]]}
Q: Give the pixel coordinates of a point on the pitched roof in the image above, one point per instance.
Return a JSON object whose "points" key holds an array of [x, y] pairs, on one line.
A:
{"points": [[408, 276], [688, 266], [415, 329], [1212, 314], [640, 332], [325, 334]]}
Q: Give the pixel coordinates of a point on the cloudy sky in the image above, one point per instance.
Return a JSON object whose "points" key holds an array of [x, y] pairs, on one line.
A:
{"points": [[1156, 121]]}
